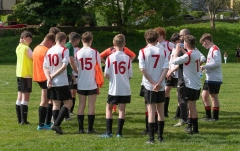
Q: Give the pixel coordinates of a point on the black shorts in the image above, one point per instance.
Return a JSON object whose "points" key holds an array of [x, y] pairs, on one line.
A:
{"points": [[173, 82], [69, 79], [60, 93], [142, 91], [211, 88], [192, 94], [154, 97], [24, 84], [87, 92], [118, 99], [43, 85]]}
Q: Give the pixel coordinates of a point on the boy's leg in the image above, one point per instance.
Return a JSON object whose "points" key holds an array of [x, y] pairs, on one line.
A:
{"points": [[121, 119], [49, 113], [91, 112], [193, 114], [18, 107], [24, 107], [160, 121], [167, 99], [151, 121], [80, 114], [216, 105], [42, 110], [207, 105], [73, 92], [109, 118]]}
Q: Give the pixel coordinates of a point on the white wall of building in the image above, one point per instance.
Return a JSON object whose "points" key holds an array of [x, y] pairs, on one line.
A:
{"points": [[7, 4]]}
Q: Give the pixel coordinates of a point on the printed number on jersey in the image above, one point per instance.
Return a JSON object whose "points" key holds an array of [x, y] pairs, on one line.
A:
{"points": [[119, 67], [53, 59], [86, 63], [156, 61]]}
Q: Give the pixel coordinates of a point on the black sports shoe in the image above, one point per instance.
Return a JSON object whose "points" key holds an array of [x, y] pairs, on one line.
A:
{"points": [[150, 141], [81, 131], [160, 139], [166, 115], [25, 123], [145, 132], [92, 131], [57, 129], [193, 132]]}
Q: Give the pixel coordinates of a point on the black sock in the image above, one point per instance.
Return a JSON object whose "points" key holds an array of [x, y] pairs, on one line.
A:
{"points": [[109, 125], [55, 114], [177, 112], [160, 128], [146, 121], [73, 101], [208, 111], [49, 114], [216, 113], [190, 123], [42, 115], [120, 125], [24, 113], [151, 131], [80, 121], [91, 119], [166, 104], [195, 124], [156, 124], [62, 113], [18, 112], [183, 111]]}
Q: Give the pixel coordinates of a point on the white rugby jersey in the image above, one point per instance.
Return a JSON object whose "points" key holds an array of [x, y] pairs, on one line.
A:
{"points": [[55, 57], [86, 61], [213, 65], [75, 52], [191, 68], [168, 46], [119, 68], [172, 66], [153, 59]]}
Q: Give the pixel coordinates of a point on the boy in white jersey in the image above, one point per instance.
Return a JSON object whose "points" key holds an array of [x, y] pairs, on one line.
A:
{"points": [[213, 77], [87, 58], [55, 64], [168, 47], [118, 71], [154, 66], [191, 69]]}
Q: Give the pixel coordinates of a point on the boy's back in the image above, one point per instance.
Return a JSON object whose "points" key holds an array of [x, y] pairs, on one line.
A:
{"points": [[152, 59], [119, 68], [54, 59]]}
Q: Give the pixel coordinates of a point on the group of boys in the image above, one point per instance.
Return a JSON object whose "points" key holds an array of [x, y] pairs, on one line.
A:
{"points": [[53, 62]]}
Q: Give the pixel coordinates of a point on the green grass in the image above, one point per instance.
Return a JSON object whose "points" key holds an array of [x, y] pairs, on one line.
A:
{"points": [[214, 136]]}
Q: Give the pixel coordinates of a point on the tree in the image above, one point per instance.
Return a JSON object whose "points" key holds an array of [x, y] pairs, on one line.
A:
{"points": [[51, 12], [236, 7], [213, 7]]}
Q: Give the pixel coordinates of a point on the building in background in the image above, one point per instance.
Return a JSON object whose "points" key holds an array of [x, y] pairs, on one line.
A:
{"points": [[6, 6]]}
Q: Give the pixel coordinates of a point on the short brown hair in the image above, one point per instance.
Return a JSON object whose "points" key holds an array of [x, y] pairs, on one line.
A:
{"points": [[50, 36], [161, 31], [54, 30], [87, 37], [26, 34], [190, 40], [119, 40], [60, 36], [206, 36], [151, 36], [74, 36]]}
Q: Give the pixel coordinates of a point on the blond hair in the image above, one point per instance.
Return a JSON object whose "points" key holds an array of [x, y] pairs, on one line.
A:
{"points": [[119, 40]]}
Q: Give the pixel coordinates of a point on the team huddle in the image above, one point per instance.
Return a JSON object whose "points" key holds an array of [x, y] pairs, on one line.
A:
{"points": [[63, 70]]}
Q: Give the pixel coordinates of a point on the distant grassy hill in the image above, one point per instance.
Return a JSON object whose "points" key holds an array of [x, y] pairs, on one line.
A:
{"points": [[226, 36]]}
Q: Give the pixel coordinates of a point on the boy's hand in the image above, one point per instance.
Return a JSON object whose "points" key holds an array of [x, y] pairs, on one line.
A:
{"points": [[49, 84], [157, 87]]}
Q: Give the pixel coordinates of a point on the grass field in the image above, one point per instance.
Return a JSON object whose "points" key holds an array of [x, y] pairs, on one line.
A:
{"points": [[221, 135]]}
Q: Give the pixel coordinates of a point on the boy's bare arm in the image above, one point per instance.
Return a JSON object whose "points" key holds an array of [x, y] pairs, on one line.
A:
{"points": [[106, 76], [72, 64], [47, 74], [60, 70], [146, 75]]}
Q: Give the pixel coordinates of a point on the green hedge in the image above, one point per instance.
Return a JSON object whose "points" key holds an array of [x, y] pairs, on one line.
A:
{"points": [[226, 36]]}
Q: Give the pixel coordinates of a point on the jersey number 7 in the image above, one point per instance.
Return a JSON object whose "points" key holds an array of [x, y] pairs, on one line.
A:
{"points": [[156, 61]]}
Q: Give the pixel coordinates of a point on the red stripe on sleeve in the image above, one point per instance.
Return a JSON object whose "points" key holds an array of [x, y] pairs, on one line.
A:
{"points": [[64, 49], [189, 57], [108, 59], [129, 63], [214, 48], [143, 54]]}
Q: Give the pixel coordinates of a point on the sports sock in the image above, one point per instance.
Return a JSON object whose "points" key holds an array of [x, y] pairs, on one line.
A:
{"points": [[120, 126], [156, 123], [160, 128], [42, 114], [146, 121], [195, 124], [62, 113], [80, 121], [216, 113], [91, 119], [55, 114], [151, 131], [49, 114], [177, 112], [73, 101], [190, 123], [166, 104], [208, 111], [24, 113], [109, 125], [18, 112]]}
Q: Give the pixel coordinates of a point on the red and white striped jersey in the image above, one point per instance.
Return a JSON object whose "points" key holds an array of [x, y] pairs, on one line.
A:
{"points": [[119, 68], [168, 46], [55, 57]]}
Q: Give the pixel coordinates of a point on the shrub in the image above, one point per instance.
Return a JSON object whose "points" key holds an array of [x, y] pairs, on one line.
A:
{"points": [[197, 14]]}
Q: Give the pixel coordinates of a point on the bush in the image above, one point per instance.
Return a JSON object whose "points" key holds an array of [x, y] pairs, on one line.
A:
{"points": [[225, 14], [81, 22], [197, 14]]}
